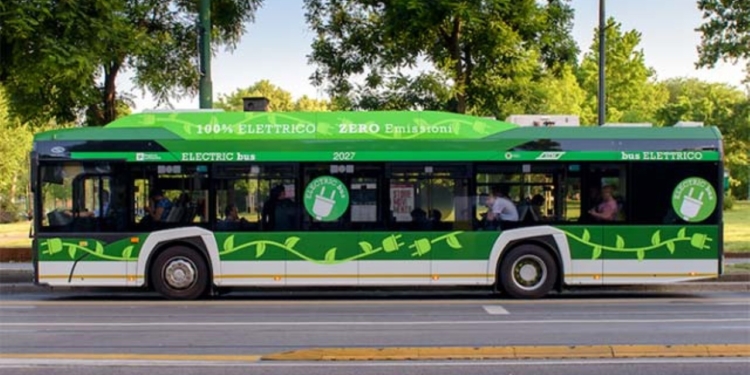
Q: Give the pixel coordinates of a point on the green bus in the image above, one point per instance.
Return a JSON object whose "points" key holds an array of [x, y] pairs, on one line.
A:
{"points": [[192, 203]]}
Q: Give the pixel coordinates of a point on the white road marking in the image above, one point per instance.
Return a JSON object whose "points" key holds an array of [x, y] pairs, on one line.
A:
{"points": [[25, 363], [358, 323], [495, 310], [17, 307]]}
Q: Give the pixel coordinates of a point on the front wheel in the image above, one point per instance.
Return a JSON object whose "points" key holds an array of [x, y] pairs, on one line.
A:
{"points": [[180, 273], [528, 271]]}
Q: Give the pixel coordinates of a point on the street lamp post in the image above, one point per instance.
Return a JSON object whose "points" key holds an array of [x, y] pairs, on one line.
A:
{"points": [[602, 93]]}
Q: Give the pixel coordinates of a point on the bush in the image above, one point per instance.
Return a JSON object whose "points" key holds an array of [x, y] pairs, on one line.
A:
{"points": [[728, 202]]}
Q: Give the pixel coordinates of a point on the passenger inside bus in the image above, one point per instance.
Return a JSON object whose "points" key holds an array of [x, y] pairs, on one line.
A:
{"points": [[608, 208]]}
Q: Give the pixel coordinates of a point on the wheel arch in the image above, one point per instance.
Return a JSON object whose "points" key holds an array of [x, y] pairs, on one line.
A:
{"points": [[198, 239], [546, 237]]}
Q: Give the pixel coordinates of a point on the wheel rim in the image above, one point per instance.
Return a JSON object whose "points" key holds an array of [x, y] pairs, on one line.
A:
{"points": [[529, 272], [180, 273]]}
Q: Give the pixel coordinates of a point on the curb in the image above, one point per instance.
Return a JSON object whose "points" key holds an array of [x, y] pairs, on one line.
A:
{"points": [[511, 352]]}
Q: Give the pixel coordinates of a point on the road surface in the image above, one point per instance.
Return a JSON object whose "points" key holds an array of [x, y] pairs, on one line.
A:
{"points": [[113, 329]]}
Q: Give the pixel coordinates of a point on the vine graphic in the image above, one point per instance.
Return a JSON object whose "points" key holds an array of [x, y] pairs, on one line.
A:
{"points": [[697, 240], [388, 244], [53, 246]]}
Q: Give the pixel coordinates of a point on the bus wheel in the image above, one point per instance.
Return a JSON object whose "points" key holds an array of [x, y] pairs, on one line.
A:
{"points": [[528, 271], [180, 273]]}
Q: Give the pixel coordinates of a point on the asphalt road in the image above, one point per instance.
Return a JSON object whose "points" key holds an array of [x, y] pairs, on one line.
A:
{"points": [[719, 366], [254, 325]]}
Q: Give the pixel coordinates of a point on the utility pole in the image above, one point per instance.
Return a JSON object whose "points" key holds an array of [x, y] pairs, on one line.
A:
{"points": [[204, 19], [602, 87]]}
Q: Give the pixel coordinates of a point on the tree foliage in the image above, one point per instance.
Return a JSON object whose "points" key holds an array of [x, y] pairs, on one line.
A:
{"points": [[61, 59], [632, 93], [725, 33], [280, 100], [490, 51]]}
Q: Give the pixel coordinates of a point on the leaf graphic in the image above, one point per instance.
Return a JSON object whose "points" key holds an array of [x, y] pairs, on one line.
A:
{"points": [[229, 243], [260, 249], [670, 246], [55, 245], [453, 242], [186, 129], [99, 248], [291, 241], [331, 255], [366, 246], [656, 238], [597, 252], [126, 252], [71, 251], [620, 242], [641, 255], [681, 233], [586, 235]]}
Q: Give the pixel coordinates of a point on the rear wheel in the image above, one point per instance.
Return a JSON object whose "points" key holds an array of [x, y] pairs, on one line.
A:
{"points": [[528, 271], [180, 273]]}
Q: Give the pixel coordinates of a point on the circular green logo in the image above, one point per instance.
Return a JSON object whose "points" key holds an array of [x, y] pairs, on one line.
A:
{"points": [[694, 199], [326, 198]]}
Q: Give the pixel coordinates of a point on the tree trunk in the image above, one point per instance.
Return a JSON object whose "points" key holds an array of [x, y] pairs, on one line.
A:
{"points": [[110, 97]]}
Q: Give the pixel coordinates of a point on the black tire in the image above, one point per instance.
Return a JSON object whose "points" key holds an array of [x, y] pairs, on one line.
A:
{"points": [[540, 278], [182, 261]]}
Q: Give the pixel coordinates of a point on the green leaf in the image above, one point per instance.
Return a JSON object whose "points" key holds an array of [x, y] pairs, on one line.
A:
{"points": [[670, 246], [71, 251], [597, 252], [126, 252], [330, 255], [260, 249], [641, 255], [229, 244], [681, 233], [453, 242], [99, 248], [656, 238], [366, 246], [291, 241], [620, 242], [586, 235]]}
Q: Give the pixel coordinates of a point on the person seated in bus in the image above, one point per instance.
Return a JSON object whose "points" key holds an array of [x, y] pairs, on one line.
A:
{"points": [[160, 206], [608, 208], [501, 208], [419, 220], [270, 207], [232, 219], [97, 212], [537, 202]]}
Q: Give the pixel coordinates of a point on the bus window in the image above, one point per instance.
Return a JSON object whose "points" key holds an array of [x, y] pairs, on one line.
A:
{"points": [[246, 195], [430, 197], [170, 195], [606, 193]]}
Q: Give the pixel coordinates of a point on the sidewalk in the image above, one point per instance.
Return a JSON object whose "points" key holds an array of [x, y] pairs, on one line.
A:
{"points": [[18, 277]]}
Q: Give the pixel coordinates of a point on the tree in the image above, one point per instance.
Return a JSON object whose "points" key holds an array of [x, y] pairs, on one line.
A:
{"points": [[279, 99], [715, 104], [61, 59], [490, 51], [725, 33], [632, 93]]}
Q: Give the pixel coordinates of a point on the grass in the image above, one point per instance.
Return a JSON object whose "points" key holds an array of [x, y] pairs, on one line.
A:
{"points": [[736, 232], [737, 228]]}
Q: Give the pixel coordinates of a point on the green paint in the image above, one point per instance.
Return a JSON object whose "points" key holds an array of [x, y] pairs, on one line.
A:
{"points": [[387, 125], [586, 242], [694, 199], [326, 198], [67, 249], [338, 248], [642, 242]]}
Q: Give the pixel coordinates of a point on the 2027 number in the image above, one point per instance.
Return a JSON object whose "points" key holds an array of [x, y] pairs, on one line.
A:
{"points": [[342, 156]]}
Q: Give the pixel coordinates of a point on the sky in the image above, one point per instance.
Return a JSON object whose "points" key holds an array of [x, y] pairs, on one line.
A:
{"points": [[276, 45]]}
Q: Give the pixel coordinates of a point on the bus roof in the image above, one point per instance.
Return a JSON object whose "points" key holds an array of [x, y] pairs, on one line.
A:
{"points": [[427, 132]]}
